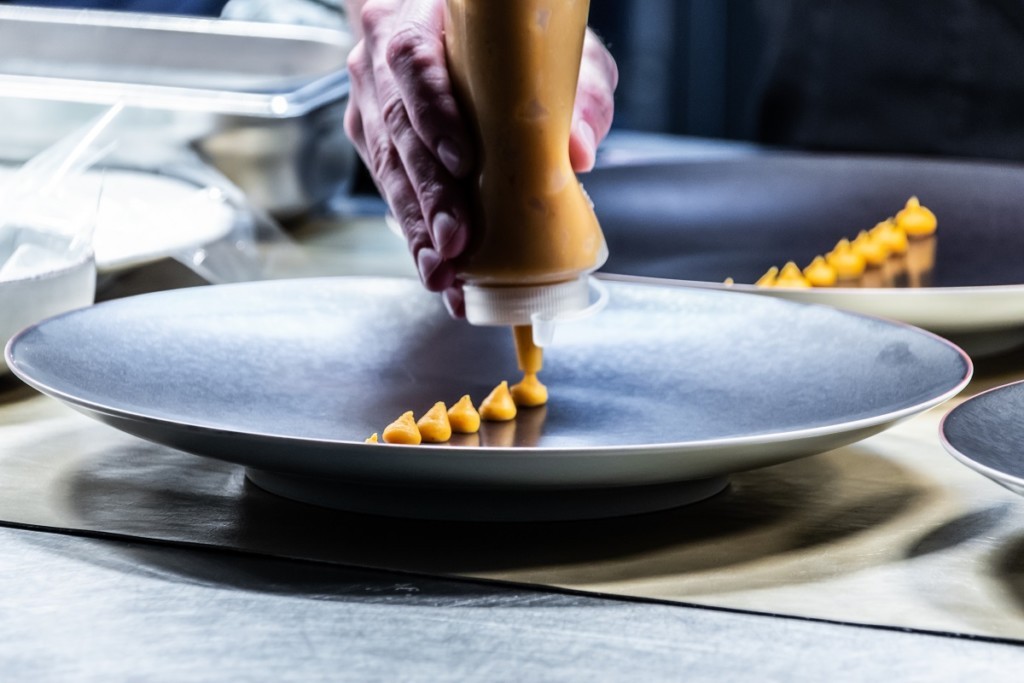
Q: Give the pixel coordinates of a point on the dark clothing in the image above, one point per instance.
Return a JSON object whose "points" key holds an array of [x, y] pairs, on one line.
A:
{"points": [[919, 76]]}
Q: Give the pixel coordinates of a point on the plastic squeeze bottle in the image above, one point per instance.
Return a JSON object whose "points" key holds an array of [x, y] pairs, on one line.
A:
{"points": [[515, 66]]}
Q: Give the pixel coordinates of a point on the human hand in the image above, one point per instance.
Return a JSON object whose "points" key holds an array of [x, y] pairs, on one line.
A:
{"points": [[407, 127], [594, 107]]}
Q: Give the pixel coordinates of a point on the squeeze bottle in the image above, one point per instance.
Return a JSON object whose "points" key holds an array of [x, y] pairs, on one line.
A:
{"points": [[515, 66]]}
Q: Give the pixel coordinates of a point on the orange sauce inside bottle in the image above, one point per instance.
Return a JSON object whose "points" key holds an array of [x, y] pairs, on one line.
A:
{"points": [[515, 66]]}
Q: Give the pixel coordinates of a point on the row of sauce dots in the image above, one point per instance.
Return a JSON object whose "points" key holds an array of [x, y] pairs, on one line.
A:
{"points": [[849, 260]]}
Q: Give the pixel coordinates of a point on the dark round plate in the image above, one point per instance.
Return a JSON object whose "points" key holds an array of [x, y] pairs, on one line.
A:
{"points": [[705, 220], [986, 433]]}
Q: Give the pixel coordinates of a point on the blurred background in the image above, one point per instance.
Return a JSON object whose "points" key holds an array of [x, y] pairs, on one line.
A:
{"points": [[687, 66]]}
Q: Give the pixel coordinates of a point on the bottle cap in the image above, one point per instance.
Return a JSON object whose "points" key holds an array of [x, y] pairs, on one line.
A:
{"points": [[516, 305], [544, 326]]}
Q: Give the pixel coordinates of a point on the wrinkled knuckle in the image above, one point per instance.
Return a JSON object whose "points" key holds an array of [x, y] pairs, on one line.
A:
{"points": [[402, 44], [416, 235], [395, 118], [432, 197], [373, 14], [413, 52], [356, 61], [390, 162], [383, 157]]}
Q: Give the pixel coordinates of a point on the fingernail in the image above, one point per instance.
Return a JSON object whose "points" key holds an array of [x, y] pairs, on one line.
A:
{"points": [[448, 153], [436, 273], [449, 304], [454, 302], [587, 135], [427, 262], [445, 229]]}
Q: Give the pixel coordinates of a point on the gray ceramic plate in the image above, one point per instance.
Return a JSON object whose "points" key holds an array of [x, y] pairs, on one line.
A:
{"points": [[986, 433], [658, 398]]}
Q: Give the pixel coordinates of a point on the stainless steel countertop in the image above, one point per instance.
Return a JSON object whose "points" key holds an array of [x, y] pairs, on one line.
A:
{"points": [[83, 609]]}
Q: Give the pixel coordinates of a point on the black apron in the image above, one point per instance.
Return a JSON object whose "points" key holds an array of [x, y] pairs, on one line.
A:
{"points": [[911, 76]]}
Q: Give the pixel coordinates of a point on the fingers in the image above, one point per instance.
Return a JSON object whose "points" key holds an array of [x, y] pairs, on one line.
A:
{"points": [[416, 57], [436, 271], [427, 200], [422, 115], [406, 125], [595, 103], [582, 145], [455, 301]]}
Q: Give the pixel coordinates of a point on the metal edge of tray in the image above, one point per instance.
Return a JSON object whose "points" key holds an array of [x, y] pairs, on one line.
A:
{"points": [[171, 23], [269, 105], [331, 83]]}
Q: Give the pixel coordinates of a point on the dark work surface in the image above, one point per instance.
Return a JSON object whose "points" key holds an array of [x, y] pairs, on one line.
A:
{"points": [[736, 217], [100, 610]]}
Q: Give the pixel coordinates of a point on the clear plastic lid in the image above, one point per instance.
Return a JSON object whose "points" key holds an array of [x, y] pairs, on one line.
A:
{"points": [[515, 305], [542, 306]]}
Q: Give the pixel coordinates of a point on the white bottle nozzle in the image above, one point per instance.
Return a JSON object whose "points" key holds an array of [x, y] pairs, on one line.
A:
{"points": [[544, 323]]}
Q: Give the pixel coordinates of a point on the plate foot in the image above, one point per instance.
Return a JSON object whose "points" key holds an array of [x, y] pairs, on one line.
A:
{"points": [[486, 505]]}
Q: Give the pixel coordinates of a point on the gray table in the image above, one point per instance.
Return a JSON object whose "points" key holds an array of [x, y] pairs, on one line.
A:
{"points": [[86, 609]]}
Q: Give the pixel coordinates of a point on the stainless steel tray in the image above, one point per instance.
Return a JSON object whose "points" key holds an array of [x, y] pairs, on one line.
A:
{"points": [[167, 62], [263, 101]]}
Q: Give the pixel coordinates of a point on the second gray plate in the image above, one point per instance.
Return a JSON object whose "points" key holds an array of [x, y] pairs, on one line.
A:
{"points": [[986, 433], [658, 398]]}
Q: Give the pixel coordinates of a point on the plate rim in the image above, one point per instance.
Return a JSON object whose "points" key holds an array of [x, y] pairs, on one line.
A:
{"points": [[766, 438], [878, 302], [970, 290], [109, 264]]}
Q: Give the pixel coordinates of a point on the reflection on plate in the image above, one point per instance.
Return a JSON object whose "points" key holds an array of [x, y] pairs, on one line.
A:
{"points": [[144, 217], [653, 402], [707, 220], [986, 433]]}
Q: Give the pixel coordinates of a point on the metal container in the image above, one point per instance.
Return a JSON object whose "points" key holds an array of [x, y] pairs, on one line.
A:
{"points": [[263, 102]]}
